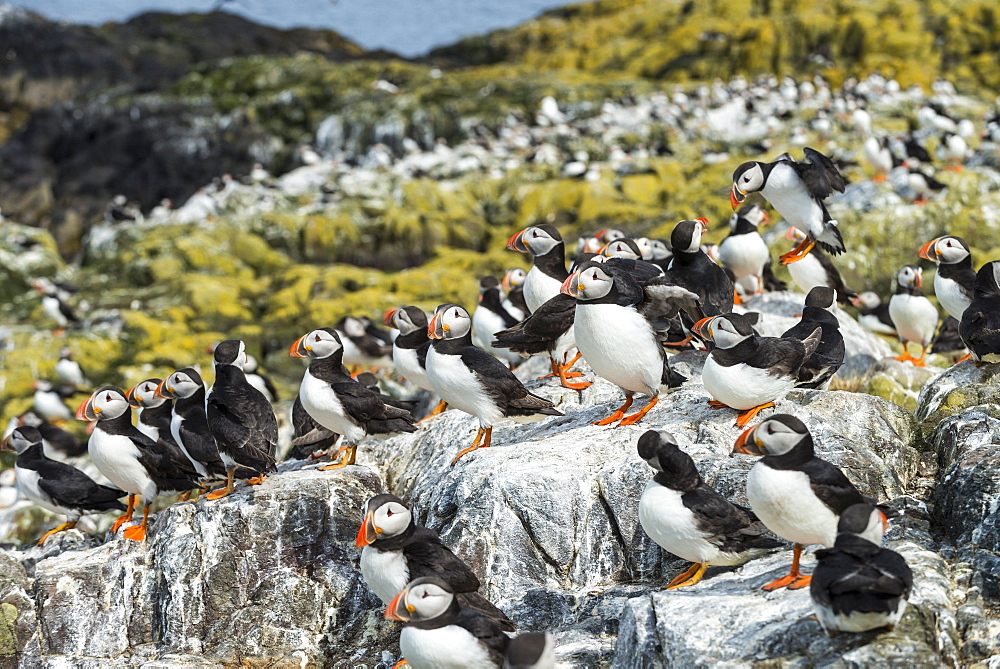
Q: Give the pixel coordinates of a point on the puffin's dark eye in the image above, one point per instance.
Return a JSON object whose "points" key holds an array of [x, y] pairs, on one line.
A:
{"points": [[316, 338], [107, 397], [770, 430], [424, 595], [388, 512]]}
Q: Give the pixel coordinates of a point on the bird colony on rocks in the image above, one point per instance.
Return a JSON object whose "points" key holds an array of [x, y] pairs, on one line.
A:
{"points": [[673, 321]]}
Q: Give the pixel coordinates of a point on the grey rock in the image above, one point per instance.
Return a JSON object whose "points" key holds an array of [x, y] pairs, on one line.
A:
{"points": [[961, 386]]}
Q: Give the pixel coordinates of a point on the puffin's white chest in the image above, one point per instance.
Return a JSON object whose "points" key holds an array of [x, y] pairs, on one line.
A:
{"points": [[789, 195], [744, 254], [950, 295], [175, 431], [448, 647], [539, 288], [914, 316], [808, 273], [27, 483], [784, 501], [385, 572], [117, 458], [408, 365], [321, 402], [742, 386], [51, 406], [50, 305], [619, 345], [460, 387], [671, 525]]}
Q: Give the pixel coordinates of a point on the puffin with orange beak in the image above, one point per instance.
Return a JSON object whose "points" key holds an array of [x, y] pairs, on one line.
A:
{"points": [[337, 401], [513, 285], [955, 280], [796, 190], [470, 379], [409, 349], [395, 550], [857, 585], [914, 316], [797, 495], [747, 372], [129, 459], [744, 252], [694, 271], [189, 422], [440, 633]]}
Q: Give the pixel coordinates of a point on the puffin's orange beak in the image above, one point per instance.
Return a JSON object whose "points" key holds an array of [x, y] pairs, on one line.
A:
{"points": [[736, 197], [367, 533], [163, 391], [5, 444], [704, 223], [925, 250], [918, 281], [398, 609], [87, 411], [791, 235], [505, 283], [299, 348], [132, 400], [765, 219], [746, 443], [699, 327], [389, 317], [570, 287], [517, 243], [432, 328], [885, 521]]}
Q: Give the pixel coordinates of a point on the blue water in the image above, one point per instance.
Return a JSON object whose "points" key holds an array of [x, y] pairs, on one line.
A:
{"points": [[408, 27]]}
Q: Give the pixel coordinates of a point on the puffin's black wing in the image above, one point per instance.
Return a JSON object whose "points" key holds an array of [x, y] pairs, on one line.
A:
{"points": [[782, 356], [831, 486], [539, 331], [200, 445], [427, 556], [844, 294], [359, 403], [155, 458], [980, 330], [70, 487], [819, 174], [500, 384], [254, 434], [422, 353], [726, 525], [486, 631], [872, 582], [67, 312]]}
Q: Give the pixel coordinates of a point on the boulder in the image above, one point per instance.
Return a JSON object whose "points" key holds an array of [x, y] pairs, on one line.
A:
{"points": [[958, 388]]}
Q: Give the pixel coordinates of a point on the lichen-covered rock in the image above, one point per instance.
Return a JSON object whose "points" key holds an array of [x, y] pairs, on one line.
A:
{"points": [[898, 382], [962, 386]]}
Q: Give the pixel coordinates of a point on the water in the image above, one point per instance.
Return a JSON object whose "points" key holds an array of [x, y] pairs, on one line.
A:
{"points": [[407, 27]]}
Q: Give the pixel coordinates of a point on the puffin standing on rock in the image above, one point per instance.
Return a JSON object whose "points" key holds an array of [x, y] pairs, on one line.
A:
{"points": [[819, 311], [409, 349], [129, 459], [744, 252], [240, 418], [686, 517], [955, 280], [797, 495], [980, 326], [56, 486], [338, 402], [472, 380], [914, 316], [857, 585], [189, 422], [796, 190], [747, 372]]}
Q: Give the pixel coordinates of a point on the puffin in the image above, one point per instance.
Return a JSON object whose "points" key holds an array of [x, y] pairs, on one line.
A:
{"points": [[914, 316], [955, 280], [531, 650], [513, 285], [155, 411], [54, 306], [620, 327], [819, 311], [921, 183], [873, 313], [548, 269], [879, 156], [240, 418], [57, 443], [797, 495], [655, 251], [472, 380], [189, 422], [693, 270], [69, 371], [797, 191], [361, 348], [395, 550], [952, 150], [621, 248], [320, 441], [48, 401], [339, 403], [817, 269], [689, 519], [129, 459], [440, 633], [748, 372], [490, 317], [857, 585], [409, 349], [744, 252], [54, 485], [980, 326]]}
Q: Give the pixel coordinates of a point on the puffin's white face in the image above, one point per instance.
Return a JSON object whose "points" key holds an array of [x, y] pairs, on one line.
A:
{"points": [[696, 235], [751, 180], [180, 384], [950, 250], [513, 278], [538, 241], [401, 320], [108, 404], [450, 323], [610, 235], [619, 249], [427, 601], [353, 327], [867, 300], [249, 363], [652, 249], [723, 332], [144, 394], [592, 283], [910, 277], [732, 221], [319, 344], [391, 519], [588, 245], [775, 438], [877, 525], [19, 440], [43, 386]]}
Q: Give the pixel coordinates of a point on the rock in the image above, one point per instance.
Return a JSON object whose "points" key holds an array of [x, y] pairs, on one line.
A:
{"points": [[898, 382], [962, 386]]}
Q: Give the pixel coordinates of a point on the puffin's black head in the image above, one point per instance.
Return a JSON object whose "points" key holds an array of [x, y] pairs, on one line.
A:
{"points": [[778, 435], [660, 450], [591, 281], [686, 236], [863, 520], [182, 383], [488, 283], [406, 319], [748, 178], [948, 250], [106, 403], [450, 321], [424, 598], [385, 516], [230, 352], [988, 279], [21, 439], [320, 343], [822, 297], [622, 248]]}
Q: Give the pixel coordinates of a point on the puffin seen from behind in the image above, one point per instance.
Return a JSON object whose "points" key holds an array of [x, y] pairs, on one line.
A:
{"points": [[796, 190], [320, 440], [819, 311], [440, 633], [395, 550], [857, 585], [980, 326], [747, 372], [409, 349], [189, 422], [797, 495], [955, 280], [129, 459], [472, 380], [620, 326], [54, 485], [914, 316], [240, 418], [688, 518], [336, 401]]}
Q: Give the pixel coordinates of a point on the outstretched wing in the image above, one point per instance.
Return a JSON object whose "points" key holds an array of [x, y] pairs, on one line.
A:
{"points": [[820, 175]]}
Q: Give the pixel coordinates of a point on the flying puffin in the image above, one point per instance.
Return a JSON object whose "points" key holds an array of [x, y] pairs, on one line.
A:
{"points": [[513, 285], [491, 317], [129, 459], [68, 370], [531, 650], [819, 311], [817, 269], [395, 550], [472, 380], [744, 252], [320, 440], [48, 401], [620, 326], [548, 270], [797, 191], [54, 307], [338, 402], [955, 280], [409, 349], [980, 326], [914, 316], [686, 517], [57, 443], [748, 372], [440, 633], [189, 422], [691, 269], [857, 585], [240, 418], [56, 486], [797, 495], [873, 314]]}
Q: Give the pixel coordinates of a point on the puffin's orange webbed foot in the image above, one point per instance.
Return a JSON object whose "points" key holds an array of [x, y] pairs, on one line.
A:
{"points": [[748, 415]]}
